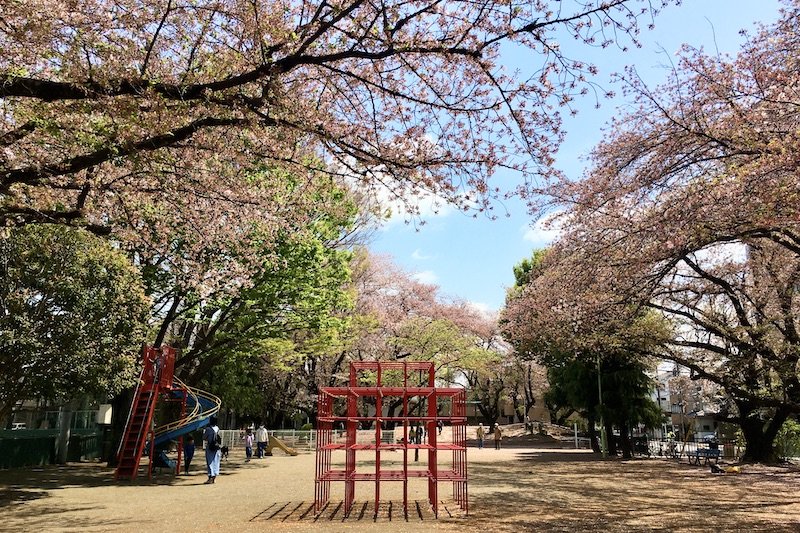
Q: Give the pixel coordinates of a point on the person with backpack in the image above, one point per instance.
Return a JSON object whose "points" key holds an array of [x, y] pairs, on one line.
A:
{"points": [[213, 442]]}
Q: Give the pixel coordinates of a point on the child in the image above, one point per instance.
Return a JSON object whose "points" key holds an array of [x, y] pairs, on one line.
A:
{"points": [[188, 453], [248, 444]]}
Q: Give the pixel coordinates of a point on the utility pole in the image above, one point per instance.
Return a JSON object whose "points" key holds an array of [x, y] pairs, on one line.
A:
{"points": [[603, 436]]}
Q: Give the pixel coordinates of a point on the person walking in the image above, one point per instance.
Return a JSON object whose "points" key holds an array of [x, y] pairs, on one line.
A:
{"points": [[248, 445], [261, 441], [213, 453], [439, 426], [188, 453], [481, 432], [497, 436]]}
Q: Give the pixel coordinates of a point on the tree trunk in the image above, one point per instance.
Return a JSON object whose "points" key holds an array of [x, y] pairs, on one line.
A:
{"points": [[5, 415], [625, 441], [612, 441], [516, 404], [593, 433], [530, 398], [759, 433], [64, 423], [120, 407]]}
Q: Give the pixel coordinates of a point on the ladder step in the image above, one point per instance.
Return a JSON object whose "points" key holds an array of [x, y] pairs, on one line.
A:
{"points": [[136, 432]]}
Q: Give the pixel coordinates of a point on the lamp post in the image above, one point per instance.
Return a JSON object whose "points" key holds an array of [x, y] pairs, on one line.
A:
{"points": [[603, 436]]}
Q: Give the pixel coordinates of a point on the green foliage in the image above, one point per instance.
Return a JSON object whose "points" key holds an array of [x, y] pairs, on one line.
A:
{"points": [[72, 315], [290, 312], [787, 442], [573, 386], [626, 390], [430, 339], [626, 393], [528, 267]]}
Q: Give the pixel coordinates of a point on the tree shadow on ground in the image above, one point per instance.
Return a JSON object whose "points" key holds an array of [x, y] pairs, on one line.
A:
{"points": [[362, 512], [559, 491], [26, 484], [19, 487]]}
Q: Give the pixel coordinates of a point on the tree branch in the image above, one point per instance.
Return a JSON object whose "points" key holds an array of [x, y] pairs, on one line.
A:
{"points": [[35, 174]]}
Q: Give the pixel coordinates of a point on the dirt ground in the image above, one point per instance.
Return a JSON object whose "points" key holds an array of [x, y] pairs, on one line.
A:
{"points": [[516, 489]]}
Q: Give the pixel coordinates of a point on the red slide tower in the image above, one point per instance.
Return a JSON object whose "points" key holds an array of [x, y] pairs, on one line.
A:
{"points": [[158, 380], [411, 387]]}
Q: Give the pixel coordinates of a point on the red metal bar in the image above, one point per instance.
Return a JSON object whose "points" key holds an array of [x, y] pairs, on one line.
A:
{"points": [[426, 392], [433, 466], [166, 364], [183, 416], [378, 412], [350, 452]]}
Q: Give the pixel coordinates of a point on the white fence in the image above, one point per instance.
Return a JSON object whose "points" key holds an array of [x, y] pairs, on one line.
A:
{"points": [[307, 440]]}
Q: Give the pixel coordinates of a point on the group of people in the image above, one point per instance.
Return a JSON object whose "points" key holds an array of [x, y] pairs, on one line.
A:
{"points": [[260, 439], [214, 449], [498, 435]]}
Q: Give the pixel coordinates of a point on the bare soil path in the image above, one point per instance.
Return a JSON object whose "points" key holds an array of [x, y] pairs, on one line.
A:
{"points": [[511, 490]]}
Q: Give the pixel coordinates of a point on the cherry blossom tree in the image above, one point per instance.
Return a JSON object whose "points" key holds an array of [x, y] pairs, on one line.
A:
{"points": [[574, 338], [397, 318], [691, 209], [115, 112]]}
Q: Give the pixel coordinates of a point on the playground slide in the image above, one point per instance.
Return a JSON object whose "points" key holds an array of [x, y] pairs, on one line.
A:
{"points": [[162, 460], [200, 407], [277, 443]]}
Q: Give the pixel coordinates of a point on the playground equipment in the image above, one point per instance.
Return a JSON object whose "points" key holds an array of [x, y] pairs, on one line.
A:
{"points": [[411, 386], [157, 380], [277, 443]]}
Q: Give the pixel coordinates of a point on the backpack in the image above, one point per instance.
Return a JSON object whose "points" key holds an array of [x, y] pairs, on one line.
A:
{"points": [[216, 443]]}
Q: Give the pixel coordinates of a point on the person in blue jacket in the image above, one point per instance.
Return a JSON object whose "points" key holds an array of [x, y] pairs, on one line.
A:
{"points": [[188, 453], [213, 453]]}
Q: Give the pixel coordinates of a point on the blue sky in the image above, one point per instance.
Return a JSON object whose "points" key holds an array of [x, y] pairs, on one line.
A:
{"points": [[473, 258]]}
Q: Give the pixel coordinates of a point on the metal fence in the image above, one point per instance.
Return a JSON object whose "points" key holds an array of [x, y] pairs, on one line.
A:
{"points": [[27, 451], [295, 438], [306, 439], [38, 447], [678, 449]]}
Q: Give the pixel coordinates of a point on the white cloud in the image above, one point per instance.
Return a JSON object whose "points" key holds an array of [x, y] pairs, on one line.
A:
{"points": [[544, 231], [419, 256], [428, 277], [424, 206], [385, 196], [483, 309]]}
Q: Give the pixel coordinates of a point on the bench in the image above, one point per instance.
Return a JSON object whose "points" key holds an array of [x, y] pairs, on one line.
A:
{"points": [[705, 453]]}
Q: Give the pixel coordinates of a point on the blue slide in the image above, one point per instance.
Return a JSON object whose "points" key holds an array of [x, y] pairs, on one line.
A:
{"points": [[200, 405]]}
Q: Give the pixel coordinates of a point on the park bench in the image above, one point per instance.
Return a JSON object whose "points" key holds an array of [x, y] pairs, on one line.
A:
{"points": [[703, 453]]}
